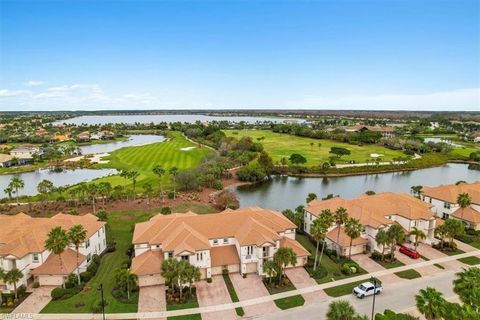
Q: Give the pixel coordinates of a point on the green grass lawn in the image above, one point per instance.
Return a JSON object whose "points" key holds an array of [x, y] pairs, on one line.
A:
{"points": [[439, 266], [452, 253], [121, 226], [186, 305], [408, 274], [344, 289], [280, 145], [233, 294], [389, 264], [196, 316], [290, 302], [470, 260]]}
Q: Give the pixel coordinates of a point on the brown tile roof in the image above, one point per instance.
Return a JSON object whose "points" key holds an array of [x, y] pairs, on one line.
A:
{"points": [[374, 210], [149, 262], [52, 264], [224, 256], [468, 214], [5, 157], [299, 250], [191, 232], [450, 192], [344, 240], [22, 234]]}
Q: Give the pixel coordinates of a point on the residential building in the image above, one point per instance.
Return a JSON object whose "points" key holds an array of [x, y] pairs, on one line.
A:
{"points": [[374, 212], [83, 136], [235, 240], [22, 246], [6, 160], [386, 132], [444, 200], [26, 153]]}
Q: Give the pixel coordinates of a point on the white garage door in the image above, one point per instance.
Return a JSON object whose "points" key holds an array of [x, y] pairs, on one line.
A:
{"points": [[150, 280], [252, 267], [46, 280]]}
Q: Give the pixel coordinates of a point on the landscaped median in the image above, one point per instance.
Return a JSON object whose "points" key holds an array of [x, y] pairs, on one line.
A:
{"points": [[232, 293], [284, 286]]}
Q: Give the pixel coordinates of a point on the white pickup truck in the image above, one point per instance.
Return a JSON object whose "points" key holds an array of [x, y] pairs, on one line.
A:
{"points": [[367, 289]]}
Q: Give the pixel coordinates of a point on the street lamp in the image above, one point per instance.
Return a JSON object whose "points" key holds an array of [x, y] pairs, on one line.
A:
{"points": [[100, 288], [374, 281]]}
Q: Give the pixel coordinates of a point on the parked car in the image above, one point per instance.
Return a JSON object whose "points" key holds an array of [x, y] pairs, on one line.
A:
{"points": [[367, 289], [412, 253]]}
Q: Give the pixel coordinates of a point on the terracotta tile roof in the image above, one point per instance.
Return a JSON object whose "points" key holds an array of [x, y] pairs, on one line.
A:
{"points": [[22, 234], [344, 240], [52, 264], [299, 250], [149, 262], [468, 214], [450, 192], [5, 157], [374, 210], [191, 232], [224, 256]]}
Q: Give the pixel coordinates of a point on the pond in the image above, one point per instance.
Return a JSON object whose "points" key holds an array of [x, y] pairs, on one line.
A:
{"points": [[157, 118], [59, 179], [437, 140], [283, 192], [133, 140]]}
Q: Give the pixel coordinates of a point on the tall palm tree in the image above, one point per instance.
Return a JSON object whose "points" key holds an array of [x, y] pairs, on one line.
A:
{"points": [[341, 310], [159, 171], [192, 275], [16, 183], [416, 190], [12, 277], [56, 242], [181, 270], [340, 217], [418, 234], [169, 272], [466, 285], [318, 231], [2, 278], [382, 239], [133, 175], [430, 302], [395, 235], [326, 218], [270, 268], [125, 174], [147, 190], [464, 200], [8, 190], [173, 172], [126, 280], [76, 236], [104, 189], [92, 193], [353, 228], [284, 257]]}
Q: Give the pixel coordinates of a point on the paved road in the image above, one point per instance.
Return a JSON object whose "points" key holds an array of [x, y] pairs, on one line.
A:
{"points": [[398, 297]]}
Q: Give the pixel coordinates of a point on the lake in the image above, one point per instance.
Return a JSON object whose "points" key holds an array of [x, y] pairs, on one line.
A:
{"points": [[438, 140], [283, 192], [133, 140], [59, 179], [157, 118]]}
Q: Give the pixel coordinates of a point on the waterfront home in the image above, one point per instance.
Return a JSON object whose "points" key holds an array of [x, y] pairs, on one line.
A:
{"points": [[386, 132], [22, 246], [83, 136], [374, 212], [6, 160], [234, 240], [26, 153], [444, 200]]}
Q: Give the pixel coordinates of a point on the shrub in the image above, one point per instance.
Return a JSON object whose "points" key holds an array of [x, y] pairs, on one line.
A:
{"points": [[218, 185], [97, 305], [170, 195], [85, 276], [102, 215], [71, 281], [225, 271], [111, 246], [58, 293], [465, 238], [165, 210], [73, 212], [209, 280], [35, 285], [346, 270]]}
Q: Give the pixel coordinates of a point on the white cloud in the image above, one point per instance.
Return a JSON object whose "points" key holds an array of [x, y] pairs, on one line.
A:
{"points": [[34, 83], [5, 93]]}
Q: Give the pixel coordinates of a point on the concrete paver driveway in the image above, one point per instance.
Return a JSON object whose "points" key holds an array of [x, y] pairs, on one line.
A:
{"points": [[371, 266], [152, 298], [214, 293], [431, 253], [424, 271], [36, 301], [301, 279], [249, 288]]}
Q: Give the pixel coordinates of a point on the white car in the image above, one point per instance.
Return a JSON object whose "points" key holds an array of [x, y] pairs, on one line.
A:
{"points": [[367, 289]]}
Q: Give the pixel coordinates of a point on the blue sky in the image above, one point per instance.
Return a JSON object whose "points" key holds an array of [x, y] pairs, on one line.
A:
{"points": [[240, 54]]}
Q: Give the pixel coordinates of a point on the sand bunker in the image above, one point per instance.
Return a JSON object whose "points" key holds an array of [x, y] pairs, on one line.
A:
{"points": [[187, 148]]}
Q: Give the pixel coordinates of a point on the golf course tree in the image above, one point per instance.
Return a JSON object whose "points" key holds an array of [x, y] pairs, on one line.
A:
{"points": [[16, 183], [133, 175], [159, 171], [395, 235], [12, 277], [56, 242], [343, 310], [283, 258], [148, 191], [179, 274], [76, 236], [173, 174], [266, 162], [44, 188], [296, 158], [339, 151], [105, 191]]}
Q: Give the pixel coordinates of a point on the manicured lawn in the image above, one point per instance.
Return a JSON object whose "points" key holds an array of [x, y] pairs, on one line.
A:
{"points": [[180, 306], [290, 302], [233, 294], [389, 264], [424, 258], [121, 226], [280, 145], [439, 266], [196, 316], [192, 206], [452, 253], [408, 274], [470, 260], [344, 289]]}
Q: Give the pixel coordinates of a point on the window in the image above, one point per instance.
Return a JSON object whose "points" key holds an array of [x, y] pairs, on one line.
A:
{"points": [[445, 216], [250, 250], [185, 258], [430, 200], [89, 256], [35, 257], [215, 241], [170, 255], [447, 205], [225, 240], [87, 243], [98, 233], [199, 256]]}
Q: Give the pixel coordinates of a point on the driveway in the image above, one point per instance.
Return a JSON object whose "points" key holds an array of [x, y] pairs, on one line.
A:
{"points": [[249, 288], [300, 279], [36, 301], [370, 266], [152, 298], [424, 271], [214, 293], [465, 247], [432, 253]]}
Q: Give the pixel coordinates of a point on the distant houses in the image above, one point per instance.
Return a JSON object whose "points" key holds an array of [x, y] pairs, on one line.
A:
{"points": [[386, 132], [26, 153], [6, 160]]}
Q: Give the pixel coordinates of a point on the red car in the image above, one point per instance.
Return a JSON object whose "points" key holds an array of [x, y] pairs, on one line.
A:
{"points": [[412, 253]]}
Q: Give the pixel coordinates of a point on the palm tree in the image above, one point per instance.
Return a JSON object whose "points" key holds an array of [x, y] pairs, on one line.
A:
{"points": [[8, 190], [104, 188], [341, 310], [353, 228], [126, 280], [169, 272], [340, 217], [430, 303], [16, 184], [418, 234], [159, 171], [441, 232], [125, 174], [284, 257], [147, 190], [56, 242], [134, 175], [181, 270], [382, 239], [318, 231], [76, 236], [173, 172], [311, 196], [192, 275], [270, 268], [464, 200], [453, 228], [395, 235], [326, 218], [44, 188], [12, 277], [2, 278], [416, 190], [92, 193], [465, 284]]}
